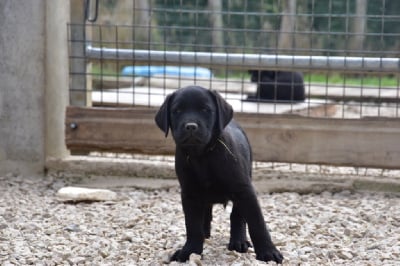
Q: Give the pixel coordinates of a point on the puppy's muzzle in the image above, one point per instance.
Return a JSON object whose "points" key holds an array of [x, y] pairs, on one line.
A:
{"points": [[191, 127]]}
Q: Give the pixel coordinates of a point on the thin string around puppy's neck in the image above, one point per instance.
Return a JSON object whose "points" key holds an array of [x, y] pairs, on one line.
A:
{"points": [[213, 147], [227, 148]]}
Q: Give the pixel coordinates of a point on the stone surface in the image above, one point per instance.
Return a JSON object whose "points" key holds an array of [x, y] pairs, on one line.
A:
{"points": [[85, 194], [146, 226]]}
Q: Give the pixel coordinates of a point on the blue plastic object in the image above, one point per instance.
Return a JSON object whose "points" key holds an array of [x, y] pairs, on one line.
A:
{"points": [[183, 71]]}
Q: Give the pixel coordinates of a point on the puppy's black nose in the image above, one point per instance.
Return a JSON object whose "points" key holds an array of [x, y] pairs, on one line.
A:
{"points": [[191, 126]]}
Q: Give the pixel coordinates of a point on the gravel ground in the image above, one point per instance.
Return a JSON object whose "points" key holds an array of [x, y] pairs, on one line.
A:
{"points": [[145, 226]]}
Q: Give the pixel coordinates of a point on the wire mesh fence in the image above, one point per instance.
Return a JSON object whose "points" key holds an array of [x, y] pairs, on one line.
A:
{"points": [[325, 58]]}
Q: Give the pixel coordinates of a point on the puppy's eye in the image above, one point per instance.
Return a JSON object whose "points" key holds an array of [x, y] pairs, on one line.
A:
{"points": [[205, 109], [177, 111]]}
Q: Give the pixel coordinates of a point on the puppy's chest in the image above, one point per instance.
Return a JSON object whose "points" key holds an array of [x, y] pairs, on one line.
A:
{"points": [[208, 176], [205, 175], [212, 187]]}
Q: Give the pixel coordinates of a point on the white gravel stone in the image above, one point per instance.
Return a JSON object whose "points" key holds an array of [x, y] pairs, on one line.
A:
{"points": [[195, 260], [147, 226], [85, 194]]}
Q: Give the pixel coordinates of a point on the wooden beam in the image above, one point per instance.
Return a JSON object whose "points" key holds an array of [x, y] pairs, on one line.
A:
{"points": [[370, 142], [115, 130]]}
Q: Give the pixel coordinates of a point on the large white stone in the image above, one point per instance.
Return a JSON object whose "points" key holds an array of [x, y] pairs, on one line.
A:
{"points": [[85, 194]]}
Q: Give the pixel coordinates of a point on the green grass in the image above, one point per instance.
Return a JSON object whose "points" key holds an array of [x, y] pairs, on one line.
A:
{"points": [[373, 81], [105, 71]]}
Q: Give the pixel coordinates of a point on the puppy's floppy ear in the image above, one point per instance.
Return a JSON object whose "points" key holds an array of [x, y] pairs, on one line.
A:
{"points": [[224, 111], [162, 117]]}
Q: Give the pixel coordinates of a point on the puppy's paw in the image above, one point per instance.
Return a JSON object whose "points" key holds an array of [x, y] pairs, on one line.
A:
{"points": [[239, 246], [270, 255], [181, 255], [207, 233]]}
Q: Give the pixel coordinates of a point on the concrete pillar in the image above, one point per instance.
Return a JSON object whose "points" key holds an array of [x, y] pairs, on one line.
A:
{"points": [[22, 85], [57, 76], [33, 83]]}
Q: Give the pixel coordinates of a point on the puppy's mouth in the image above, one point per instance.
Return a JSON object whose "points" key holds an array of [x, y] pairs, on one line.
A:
{"points": [[191, 140], [192, 145]]}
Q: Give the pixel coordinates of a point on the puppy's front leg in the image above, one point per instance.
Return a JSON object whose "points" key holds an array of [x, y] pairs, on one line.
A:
{"points": [[207, 221], [248, 206], [194, 210]]}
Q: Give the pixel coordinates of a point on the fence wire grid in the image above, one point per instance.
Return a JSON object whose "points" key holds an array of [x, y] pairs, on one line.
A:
{"points": [[328, 58]]}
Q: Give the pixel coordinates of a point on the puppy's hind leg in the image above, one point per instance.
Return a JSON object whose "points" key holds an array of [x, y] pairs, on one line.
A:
{"points": [[238, 241]]}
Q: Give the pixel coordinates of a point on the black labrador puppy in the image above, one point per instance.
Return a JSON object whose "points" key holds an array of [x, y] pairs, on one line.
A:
{"points": [[285, 86], [213, 164]]}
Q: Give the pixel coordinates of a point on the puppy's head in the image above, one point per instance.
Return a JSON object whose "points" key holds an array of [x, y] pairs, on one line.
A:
{"points": [[195, 115]]}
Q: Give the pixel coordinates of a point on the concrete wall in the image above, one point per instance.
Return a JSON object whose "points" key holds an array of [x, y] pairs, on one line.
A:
{"points": [[27, 73]]}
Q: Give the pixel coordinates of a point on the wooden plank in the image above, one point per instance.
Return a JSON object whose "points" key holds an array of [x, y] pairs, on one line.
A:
{"points": [[372, 142], [369, 142], [115, 130]]}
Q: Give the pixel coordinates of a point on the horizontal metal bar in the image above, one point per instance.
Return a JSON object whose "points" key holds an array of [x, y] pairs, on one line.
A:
{"points": [[248, 61]]}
